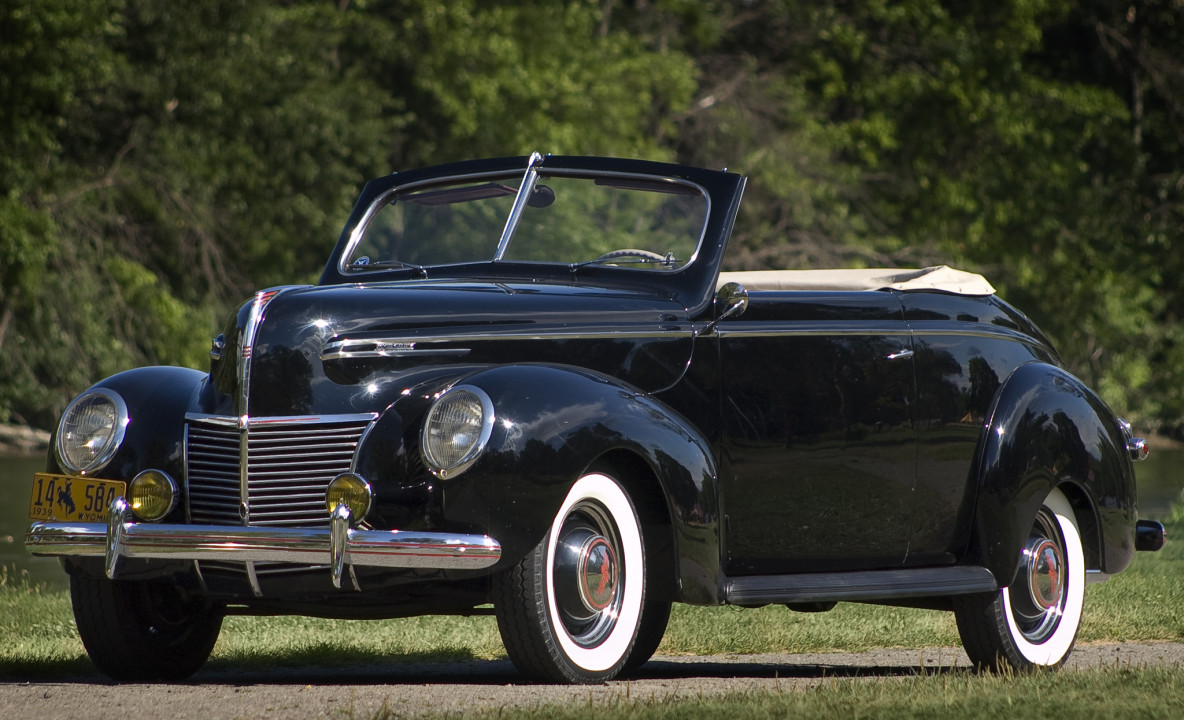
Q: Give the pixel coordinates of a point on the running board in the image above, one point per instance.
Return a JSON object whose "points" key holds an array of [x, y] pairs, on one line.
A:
{"points": [[861, 585]]}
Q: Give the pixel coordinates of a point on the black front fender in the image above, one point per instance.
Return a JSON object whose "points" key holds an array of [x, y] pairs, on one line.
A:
{"points": [[157, 399], [1049, 430], [552, 424]]}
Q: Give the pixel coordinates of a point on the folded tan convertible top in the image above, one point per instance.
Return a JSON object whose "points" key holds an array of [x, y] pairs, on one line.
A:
{"points": [[940, 278]]}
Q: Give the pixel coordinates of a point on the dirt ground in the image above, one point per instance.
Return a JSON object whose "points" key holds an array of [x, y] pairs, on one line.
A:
{"points": [[410, 690]]}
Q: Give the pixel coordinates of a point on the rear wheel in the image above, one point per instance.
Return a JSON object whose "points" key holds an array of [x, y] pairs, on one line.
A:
{"points": [[570, 611], [142, 631], [1034, 622]]}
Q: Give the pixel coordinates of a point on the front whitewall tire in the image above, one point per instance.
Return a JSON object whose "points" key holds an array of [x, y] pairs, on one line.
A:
{"points": [[571, 609], [612, 649]]}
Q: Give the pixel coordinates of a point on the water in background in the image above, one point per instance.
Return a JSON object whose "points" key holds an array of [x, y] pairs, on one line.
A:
{"points": [[16, 482], [1160, 478]]}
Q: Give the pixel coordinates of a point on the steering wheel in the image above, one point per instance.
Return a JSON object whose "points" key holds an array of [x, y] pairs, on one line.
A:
{"points": [[635, 253]]}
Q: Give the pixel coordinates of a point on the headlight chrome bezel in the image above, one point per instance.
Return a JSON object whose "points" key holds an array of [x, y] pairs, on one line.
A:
{"points": [[430, 442], [112, 441]]}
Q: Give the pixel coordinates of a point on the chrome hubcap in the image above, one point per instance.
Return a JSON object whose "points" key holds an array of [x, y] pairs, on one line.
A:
{"points": [[1046, 579], [1038, 607], [597, 573], [588, 574]]}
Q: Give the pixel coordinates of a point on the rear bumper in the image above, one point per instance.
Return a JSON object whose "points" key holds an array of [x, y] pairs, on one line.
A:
{"points": [[335, 546], [1149, 535]]}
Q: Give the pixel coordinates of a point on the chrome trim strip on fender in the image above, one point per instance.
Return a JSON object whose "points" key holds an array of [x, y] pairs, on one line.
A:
{"points": [[812, 328]]}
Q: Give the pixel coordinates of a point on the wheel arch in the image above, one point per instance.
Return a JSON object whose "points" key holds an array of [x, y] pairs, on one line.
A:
{"points": [[1048, 430], [554, 423], [650, 501]]}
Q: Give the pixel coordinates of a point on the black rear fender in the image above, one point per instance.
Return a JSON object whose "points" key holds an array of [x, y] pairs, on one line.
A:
{"points": [[1048, 430]]}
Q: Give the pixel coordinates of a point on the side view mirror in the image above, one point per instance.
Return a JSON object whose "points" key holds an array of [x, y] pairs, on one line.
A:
{"points": [[733, 299]]}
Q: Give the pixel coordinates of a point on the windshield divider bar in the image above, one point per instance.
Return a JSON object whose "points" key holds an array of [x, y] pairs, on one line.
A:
{"points": [[524, 193]]}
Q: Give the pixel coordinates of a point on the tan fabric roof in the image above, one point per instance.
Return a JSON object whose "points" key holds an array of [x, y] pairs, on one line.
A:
{"points": [[940, 278]]}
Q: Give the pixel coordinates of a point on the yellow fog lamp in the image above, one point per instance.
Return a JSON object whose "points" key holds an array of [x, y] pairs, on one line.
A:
{"points": [[152, 495], [351, 490]]}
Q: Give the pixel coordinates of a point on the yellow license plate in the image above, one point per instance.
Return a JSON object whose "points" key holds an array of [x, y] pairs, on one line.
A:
{"points": [[67, 498]]}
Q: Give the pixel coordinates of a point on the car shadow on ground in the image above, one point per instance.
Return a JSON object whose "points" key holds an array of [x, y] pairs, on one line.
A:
{"points": [[502, 672]]}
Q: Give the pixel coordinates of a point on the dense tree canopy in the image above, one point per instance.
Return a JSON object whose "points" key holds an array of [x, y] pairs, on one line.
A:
{"points": [[159, 161]]}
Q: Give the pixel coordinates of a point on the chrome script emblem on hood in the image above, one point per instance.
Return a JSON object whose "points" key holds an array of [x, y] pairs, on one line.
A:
{"points": [[381, 347]]}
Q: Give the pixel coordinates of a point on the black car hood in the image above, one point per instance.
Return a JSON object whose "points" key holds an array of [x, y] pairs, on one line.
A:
{"points": [[356, 348]]}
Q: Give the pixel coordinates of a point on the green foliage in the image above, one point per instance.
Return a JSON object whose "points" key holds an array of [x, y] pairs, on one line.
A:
{"points": [[159, 162]]}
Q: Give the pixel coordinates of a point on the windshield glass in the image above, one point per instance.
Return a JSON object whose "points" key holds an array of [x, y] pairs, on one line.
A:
{"points": [[634, 222]]}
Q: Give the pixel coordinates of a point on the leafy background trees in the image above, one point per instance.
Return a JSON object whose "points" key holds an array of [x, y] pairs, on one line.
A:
{"points": [[160, 161]]}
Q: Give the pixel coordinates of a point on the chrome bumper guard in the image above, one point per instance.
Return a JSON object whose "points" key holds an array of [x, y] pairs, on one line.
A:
{"points": [[335, 546]]}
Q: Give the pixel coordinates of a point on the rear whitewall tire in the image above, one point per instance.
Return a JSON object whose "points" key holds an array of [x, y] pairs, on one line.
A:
{"points": [[1053, 649], [1033, 623]]}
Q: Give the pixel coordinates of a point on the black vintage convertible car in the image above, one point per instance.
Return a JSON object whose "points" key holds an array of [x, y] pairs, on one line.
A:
{"points": [[524, 383]]}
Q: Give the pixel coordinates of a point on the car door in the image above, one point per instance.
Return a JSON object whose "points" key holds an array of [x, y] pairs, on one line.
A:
{"points": [[818, 452]]}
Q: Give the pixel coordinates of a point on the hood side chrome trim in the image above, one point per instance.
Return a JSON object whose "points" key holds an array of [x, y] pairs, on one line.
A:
{"points": [[408, 345]]}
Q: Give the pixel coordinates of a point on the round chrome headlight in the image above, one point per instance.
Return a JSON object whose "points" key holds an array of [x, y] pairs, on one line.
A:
{"points": [[456, 430], [153, 494], [91, 430]]}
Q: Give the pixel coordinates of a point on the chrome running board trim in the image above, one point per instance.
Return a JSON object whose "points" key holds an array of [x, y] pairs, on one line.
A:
{"points": [[863, 585]]}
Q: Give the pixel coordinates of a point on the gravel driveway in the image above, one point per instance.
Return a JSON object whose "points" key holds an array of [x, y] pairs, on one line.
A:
{"points": [[455, 687]]}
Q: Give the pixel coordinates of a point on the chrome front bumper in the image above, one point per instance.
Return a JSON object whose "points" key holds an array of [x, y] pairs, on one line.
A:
{"points": [[336, 546]]}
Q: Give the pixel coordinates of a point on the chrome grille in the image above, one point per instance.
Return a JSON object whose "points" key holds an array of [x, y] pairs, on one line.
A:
{"points": [[290, 462]]}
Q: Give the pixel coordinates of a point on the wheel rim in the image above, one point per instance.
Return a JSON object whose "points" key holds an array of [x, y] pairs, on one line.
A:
{"points": [[588, 574], [1038, 600], [166, 616]]}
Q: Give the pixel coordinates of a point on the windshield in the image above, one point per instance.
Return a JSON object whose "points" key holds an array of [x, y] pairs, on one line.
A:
{"points": [[629, 221]]}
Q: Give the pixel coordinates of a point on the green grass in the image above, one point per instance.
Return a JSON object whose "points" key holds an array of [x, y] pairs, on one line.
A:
{"points": [[1145, 603], [1106, 694]]}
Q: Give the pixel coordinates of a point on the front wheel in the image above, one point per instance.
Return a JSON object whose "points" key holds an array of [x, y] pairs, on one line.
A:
{"points": [[143, 631], [570, 610], [1032, 623]]}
